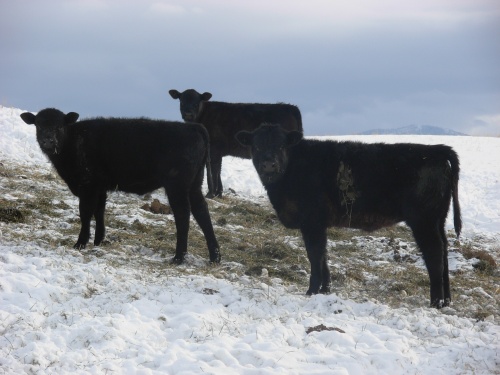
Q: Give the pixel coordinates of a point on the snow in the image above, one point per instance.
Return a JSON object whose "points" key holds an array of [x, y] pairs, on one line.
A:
{"points": [[64, 311]]}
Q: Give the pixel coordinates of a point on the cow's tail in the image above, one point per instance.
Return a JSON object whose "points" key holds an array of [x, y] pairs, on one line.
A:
{"points": [[455, 171]]}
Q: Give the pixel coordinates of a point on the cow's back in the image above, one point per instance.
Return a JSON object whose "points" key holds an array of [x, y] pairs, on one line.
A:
{"points": [[138, 155], [223, 120], [383, 183]]}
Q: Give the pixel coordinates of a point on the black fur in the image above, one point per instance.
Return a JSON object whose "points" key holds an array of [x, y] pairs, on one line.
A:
{"points": [[313, 185], [224, 120], [138, 156]]}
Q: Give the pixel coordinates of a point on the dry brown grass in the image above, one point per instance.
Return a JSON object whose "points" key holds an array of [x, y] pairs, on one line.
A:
{"points": [[382, 266]]}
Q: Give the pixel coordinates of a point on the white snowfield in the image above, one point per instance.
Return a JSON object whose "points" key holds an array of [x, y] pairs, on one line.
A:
{"points": [[64, 312]]}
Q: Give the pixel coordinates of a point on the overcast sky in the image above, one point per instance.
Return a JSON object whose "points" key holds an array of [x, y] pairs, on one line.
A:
{"points": [[349, 65]]}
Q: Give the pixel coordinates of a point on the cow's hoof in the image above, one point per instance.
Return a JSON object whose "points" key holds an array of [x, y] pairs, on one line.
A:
{"points": [[215, 259], [79, 246], [325, 290], [177, 260], [438, 303]]}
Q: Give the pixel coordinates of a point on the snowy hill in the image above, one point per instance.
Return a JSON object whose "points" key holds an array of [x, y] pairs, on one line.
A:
{"points": [[413, 130], [126, 310]]}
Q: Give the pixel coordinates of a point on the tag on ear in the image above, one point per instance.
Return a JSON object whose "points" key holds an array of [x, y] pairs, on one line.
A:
{"points": [[244, 138]]}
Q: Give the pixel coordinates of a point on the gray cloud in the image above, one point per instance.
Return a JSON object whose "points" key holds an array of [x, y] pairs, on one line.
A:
{"points": [[348, 68]]}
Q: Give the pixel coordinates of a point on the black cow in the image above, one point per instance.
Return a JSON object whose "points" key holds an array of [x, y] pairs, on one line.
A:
{"points": [[224, 120], [136, 155], [314, 184]]}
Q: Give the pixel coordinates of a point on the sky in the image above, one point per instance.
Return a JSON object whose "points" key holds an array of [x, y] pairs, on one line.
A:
{"points": [[350, 66]]}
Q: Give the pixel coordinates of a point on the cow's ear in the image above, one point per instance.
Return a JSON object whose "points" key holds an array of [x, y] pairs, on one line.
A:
{"points": [[293, 137], [206, 96], [244, 138], [28, 118], [70, 118], [174, 94]]}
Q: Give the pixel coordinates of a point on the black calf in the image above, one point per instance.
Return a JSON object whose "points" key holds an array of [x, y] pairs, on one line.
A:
{"points": [[131, 155], [313, 185]]}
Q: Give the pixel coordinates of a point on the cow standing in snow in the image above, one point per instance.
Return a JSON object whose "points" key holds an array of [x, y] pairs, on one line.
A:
{"points": [[224, 120], [313, 185], [134, 155]]}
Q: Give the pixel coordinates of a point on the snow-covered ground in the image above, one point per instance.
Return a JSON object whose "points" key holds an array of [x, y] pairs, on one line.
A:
{"points": [[62, 311]]}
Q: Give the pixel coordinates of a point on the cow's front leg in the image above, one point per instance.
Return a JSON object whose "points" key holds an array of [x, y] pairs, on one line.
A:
{"points": [[315, 242], [87, 207]]}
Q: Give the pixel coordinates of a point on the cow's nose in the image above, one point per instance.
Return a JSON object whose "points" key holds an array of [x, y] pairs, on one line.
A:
{"points": [[269, 166], [47, 143]]}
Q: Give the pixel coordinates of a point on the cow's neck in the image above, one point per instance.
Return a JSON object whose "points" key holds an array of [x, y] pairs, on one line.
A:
{"points": [[65, 165]]}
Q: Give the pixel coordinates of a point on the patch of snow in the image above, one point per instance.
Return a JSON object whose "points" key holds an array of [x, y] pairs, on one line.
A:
{"points": [[63, 311]]}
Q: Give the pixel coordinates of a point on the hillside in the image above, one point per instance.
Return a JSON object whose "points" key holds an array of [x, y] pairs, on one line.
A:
{"points": [[124, 308]]}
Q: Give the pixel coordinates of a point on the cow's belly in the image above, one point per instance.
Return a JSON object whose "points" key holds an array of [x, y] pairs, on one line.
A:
{"points": [[365, 221]]}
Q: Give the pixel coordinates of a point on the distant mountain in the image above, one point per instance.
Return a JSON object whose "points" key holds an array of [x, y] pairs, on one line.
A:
{"points": [[414, 129]]}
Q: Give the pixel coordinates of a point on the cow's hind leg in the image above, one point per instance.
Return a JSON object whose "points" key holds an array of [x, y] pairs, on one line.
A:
{"points": [[179, 202], [216, 165], [315, 242], [100, 229], [446, 272], [429, 240], [199, 209]]}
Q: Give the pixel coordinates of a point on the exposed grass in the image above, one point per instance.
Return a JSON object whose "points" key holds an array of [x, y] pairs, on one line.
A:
{"points": [[484, 261], [383, 266]]}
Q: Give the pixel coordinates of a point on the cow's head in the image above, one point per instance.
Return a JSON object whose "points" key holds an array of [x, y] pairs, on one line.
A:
{"points": [[190, 102], [50, 128], [270, 146]]}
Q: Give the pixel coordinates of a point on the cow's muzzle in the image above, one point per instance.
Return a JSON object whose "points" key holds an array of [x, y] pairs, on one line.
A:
{"points": [[48, 145], [188, 116], [269, 167], [269, 171]]}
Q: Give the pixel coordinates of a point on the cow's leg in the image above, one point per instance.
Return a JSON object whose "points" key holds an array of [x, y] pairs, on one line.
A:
{"points": [[199, 209], [87, 206], [218, 192], [100, 229], [216, 164], [179, 202], [315, 242], [446, 272], [428, 238]]}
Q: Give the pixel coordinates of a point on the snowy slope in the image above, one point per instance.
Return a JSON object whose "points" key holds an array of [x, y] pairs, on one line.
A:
{"points": [[64, 312], [413, 130]]}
